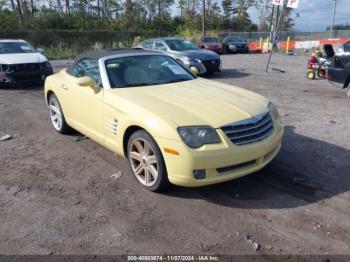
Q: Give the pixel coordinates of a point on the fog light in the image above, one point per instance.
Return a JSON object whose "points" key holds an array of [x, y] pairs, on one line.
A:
{"points": [[199, 173]]}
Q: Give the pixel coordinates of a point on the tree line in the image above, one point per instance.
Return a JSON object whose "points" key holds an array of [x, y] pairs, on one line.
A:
{"points": [[163, 16]]}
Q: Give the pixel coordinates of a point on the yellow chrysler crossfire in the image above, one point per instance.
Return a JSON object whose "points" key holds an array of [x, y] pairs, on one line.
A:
{"points": [[172, 126]]}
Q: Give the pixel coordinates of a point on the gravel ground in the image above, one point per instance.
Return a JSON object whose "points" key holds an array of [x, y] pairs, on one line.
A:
{"points": [[57, 195]]}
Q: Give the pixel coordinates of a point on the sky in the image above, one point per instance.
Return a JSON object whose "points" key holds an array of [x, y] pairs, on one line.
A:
{"points": [[314, 15]]}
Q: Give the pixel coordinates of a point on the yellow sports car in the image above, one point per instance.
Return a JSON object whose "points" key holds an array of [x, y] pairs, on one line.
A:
{"points": [[172, 126]]}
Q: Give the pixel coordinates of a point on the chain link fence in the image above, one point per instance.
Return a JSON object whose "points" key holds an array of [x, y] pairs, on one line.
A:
{"points": [[282, 36], [67, 44]]}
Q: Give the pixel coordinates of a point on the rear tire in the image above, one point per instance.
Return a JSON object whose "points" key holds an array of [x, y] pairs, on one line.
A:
{"points": [[56, 115], [321, 73], [146, 161], [346, 83]]}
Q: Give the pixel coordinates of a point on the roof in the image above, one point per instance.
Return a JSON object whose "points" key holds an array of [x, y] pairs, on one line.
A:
{"points": [[96, 55], [164, 38], [12, 40]]}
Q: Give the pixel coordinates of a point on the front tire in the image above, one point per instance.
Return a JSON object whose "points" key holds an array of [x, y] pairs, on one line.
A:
{"points": [[310, 75], [56, 115], [146, 161]]}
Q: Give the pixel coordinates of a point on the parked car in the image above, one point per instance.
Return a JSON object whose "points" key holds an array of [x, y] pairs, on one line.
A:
{"points": [[20, 63], [197, 60], [235, 44], [172, 126], [211, 43], [340, 72]]}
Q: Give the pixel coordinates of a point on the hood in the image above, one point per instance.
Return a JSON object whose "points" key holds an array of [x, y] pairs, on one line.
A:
{"points": [[196, 102], [211, 44], [22, 58], [201, 54], [237, 43]]}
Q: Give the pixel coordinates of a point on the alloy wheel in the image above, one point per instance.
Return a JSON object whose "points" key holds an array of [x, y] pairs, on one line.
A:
{"points": [[143, 162], [55, 113]]}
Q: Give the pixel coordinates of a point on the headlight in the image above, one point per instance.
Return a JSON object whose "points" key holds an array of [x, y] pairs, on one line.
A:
{"points": [[273, 111], [185, 60], [340, 50], [46, 64], [197, 136]]}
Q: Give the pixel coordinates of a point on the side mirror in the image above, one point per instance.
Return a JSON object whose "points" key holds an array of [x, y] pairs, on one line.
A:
{"points": [[40, 50], [164, 49], [86, 81]]}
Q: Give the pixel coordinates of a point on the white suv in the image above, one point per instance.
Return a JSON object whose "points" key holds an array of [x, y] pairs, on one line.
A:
{"points": [[20, 63]]}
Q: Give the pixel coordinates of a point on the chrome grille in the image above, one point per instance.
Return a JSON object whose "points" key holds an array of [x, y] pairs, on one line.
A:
{"points": [[25, 67], [249, 130]]}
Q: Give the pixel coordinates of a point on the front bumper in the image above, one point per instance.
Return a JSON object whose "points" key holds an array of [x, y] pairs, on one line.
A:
{"points": [[238, 49], [222, 162], [24, 74], [218, 50], [205, 66]]}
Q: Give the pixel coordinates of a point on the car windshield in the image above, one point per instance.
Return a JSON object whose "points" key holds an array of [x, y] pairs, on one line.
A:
{"points": [[210, 40], [180, 45], [145, 70], [236, 39], [15, 48]]}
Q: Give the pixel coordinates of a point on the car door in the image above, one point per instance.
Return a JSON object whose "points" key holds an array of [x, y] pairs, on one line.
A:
{"points": [[86, 103]]}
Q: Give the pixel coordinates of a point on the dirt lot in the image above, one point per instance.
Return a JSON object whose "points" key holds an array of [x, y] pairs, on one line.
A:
{"points": [[57, 195]]}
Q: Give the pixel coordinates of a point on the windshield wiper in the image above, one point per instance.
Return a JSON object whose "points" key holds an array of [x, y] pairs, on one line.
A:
{"points": [[177, 80], [142, 84]]}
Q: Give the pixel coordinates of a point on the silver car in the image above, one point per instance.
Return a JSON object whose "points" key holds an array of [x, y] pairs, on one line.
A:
{"points": [[198, 60]]}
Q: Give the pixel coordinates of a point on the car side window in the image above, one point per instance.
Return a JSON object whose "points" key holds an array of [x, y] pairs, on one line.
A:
{"points": [[87, 67], [346, 47], [159, 46], [147, 44]]}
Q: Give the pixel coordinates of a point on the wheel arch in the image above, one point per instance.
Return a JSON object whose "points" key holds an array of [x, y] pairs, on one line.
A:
{"points": [[48, 94], [127, 134]]}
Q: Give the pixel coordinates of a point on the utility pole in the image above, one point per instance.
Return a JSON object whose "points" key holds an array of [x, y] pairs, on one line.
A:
{"points": [[203, 17], [160, 18], [263, 12], [278, 23], [333, 18]]}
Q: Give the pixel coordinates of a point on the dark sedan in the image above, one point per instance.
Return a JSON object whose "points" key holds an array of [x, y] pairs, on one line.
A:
{"points": [[235, 44], [199, 61]]}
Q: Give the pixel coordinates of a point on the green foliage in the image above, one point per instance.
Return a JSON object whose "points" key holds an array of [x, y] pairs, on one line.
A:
{"points": [[8, 21], [59, 53], [188, 33], [66, 27], [340, 27]]}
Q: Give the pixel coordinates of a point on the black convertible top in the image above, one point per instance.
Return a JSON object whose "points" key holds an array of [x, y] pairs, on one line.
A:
{"points": [[96, 55], [102, 53]]}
